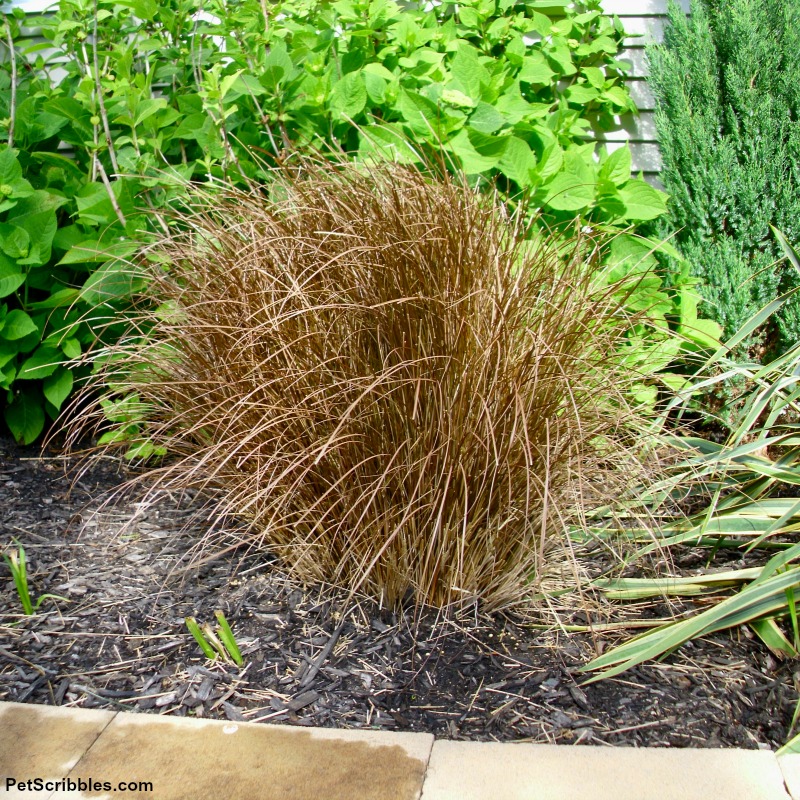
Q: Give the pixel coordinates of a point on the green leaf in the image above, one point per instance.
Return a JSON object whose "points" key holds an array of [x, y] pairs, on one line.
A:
{"points": [[638, 588], [379, 70], [10, 169], [226, 84], [278, 66], [125, 433], [144, 9], [644, 395], [773, 637], [194, 629], [144, 450], [518, 162], [421, 114], [10, 277], [93, 250], [43, 362], [71, 348], [111, 281], [248, 84], [386, 142], [456, 98], [513, 106], [581, 93], [56, 387], [12, 184], [549, 4], [144, 110], [617, 96], [70, 109], [376, 86], [192, 126], [485, 119], [18, 325], [477, 153], [535, 70], [788, 250], [14, 241], [568, 192], [228, 639], [348, 96], [633, 255], [59, 161], [755, 601], [562, 58], [515, 51], [752, 324], [7, 376], [655, 357], [94, 204], [642, 201], [25, 415], [61, 298], [37, 216], [8, 352], [550, 163], [468, 72], [617, 167], [125, 410], [792, 747], [469, 17], [704, 332], [595, 76]]}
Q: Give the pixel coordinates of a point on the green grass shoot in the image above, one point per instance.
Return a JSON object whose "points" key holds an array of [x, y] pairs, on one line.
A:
{"points": [[18, 564], [194, 629], [219, 643], [228, 639]]}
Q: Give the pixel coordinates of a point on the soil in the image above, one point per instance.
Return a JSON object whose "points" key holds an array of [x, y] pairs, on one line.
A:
{"points": [[119, 640]]}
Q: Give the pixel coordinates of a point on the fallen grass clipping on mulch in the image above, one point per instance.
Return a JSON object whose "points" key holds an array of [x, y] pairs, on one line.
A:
{"points": [[398, 387]]}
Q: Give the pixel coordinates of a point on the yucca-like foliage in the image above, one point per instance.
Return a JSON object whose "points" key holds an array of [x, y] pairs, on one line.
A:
{"points": [[753, 503], [378, 373]]}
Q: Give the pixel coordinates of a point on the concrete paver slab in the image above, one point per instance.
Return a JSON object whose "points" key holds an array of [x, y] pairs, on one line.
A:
{"points": [[94, 752], [790, 767], [492, 771], [209, 760], [43, 742]]}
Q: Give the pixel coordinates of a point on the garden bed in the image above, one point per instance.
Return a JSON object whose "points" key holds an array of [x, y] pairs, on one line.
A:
{"points": [[120, 641]]}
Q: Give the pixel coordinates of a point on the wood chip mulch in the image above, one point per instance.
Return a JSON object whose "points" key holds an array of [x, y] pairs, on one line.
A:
{"points": [[120, 642]]}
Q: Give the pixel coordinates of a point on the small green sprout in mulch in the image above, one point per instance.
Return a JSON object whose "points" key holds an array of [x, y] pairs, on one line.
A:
{"points": [[17, 563], [216, 643]]}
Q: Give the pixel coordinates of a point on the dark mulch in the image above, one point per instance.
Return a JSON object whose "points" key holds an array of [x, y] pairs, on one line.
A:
{"points": [[120, 642]]}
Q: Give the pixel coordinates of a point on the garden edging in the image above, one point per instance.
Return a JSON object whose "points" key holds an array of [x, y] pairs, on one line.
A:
{"points": [[72, 750]]}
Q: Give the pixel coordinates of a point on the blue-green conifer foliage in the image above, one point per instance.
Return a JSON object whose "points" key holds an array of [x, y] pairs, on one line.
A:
{"points": [[727, 86]]}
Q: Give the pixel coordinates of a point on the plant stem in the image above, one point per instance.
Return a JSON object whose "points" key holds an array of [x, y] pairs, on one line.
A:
{"points": [[12, 111], [111, 196], [100, 101], [265, 13]]}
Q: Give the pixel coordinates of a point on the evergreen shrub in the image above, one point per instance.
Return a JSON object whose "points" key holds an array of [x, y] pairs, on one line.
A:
{"points": [[727, 87]]}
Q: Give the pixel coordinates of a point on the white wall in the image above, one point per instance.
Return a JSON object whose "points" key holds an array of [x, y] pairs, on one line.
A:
{"points": [[646, 18], [31, 6]]}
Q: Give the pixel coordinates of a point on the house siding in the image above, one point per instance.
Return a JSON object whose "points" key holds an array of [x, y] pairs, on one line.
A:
{"points": [[644, 20]]}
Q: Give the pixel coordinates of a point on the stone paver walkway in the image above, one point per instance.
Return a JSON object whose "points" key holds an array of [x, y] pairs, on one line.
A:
{"points": [[51, 753]]}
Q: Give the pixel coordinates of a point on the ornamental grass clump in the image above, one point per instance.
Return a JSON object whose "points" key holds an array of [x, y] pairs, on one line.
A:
{"points": [[379, 374]]}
